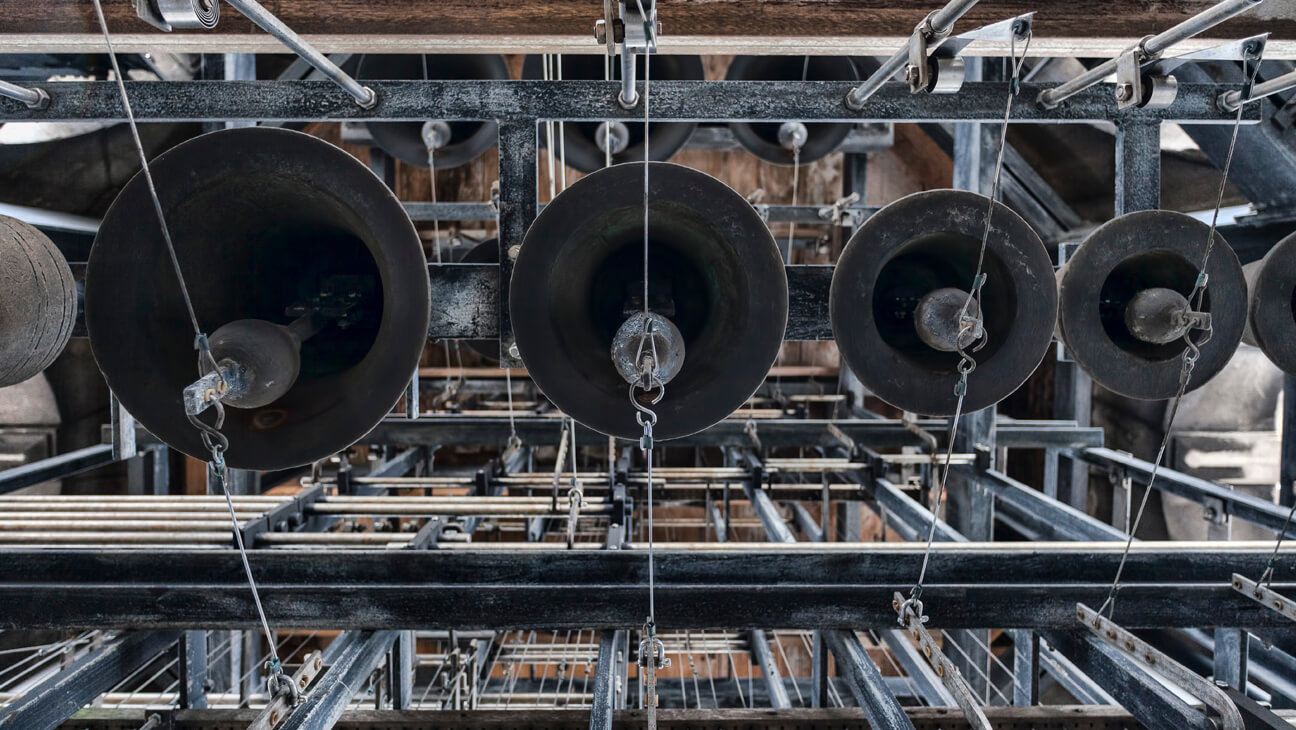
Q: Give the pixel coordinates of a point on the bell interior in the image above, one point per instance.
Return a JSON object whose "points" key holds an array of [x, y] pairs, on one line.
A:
{"points": [[1145, 270], [695, 280], [933, 261], [295, 243], [794, 68]]}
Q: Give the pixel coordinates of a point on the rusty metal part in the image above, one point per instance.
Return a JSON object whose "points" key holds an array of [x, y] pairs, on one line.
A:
{"points": [[715, 272], [261, 218], [1132, 254], [925, 242]]}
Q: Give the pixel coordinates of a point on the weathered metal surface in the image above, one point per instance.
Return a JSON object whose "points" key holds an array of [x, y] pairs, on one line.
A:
{"points": [[865, 681], [465, 301], [1271, 304], [815, 101], [968, 585], [57, 467], [38, 298], [875, 433]]}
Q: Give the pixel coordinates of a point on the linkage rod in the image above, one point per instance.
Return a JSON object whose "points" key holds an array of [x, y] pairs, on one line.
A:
{"points": [[33, 98], [940, 23], [265, 20], [1150, 48], [1231, 100]]}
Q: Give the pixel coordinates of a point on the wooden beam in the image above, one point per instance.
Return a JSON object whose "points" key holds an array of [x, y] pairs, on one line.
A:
{"points": [[851, 27]]}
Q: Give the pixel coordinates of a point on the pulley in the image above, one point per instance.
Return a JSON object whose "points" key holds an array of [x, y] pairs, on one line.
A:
{"points": [[586, 141], [899, 302], [454, 142], [1271, 310], [486, 252], [715, 275], [774, 141], [301, 265], [38, 301], [1124, 308]]}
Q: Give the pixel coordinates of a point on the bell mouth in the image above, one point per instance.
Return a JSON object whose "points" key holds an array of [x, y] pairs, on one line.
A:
{"points": [[1156, 269], [925, 264]]}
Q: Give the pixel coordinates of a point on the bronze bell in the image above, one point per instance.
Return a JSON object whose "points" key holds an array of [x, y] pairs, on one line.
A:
{"points": [[1124, 308], [898, 294], [1271, 306], [302, 266], [715, 275]]}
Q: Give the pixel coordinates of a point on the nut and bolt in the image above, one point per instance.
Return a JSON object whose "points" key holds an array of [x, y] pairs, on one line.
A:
{"points": [[1124, 92]]}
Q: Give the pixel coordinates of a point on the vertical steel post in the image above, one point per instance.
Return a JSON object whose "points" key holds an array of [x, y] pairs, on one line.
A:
{"points": [[1025, 667], [518, 150], [1231, 657], [1287, 470], [193, 670], [402, 666]]}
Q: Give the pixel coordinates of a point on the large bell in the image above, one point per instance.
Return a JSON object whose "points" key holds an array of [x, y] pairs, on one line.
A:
{"points": [[585, 142], [38, 301], [1123, 303], [455, 142], [776, 141], [302, 267], [1271, 310], [899, 291], [716, 287]]}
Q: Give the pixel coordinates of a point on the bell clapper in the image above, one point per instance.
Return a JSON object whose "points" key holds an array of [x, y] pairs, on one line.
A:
{"points": [[250, 363], [436, 134]]}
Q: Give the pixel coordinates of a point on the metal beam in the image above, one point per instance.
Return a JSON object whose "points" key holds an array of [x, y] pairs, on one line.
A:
{"points": [[48, 704], [826, 585], [1053, 520], [328, 700], [1155, 705], [814, 101], [865, 681], [1236, 504], [55, 467], [763, 658], [875, 433]]}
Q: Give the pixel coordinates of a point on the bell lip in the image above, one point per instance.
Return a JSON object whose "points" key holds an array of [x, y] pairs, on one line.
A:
{"points": [[1270, 319], [581, 153], [395, 138], [1080, 284], [892, 376], [399, 323], [824, 138], [533, 330]]}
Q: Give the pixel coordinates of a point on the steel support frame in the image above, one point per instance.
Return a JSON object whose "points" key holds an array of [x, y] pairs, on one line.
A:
{"points": [[333, 692], [810, 433], [47, 705]]}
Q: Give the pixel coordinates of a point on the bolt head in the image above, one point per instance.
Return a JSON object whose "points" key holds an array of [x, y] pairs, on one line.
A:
{"points": [[1124, 92], [513, 252], [513, 351]]}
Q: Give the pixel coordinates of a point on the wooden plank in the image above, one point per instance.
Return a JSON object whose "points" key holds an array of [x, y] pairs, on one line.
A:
{"points": [[857, 27]]}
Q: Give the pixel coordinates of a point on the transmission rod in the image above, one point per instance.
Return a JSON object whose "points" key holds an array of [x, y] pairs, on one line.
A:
{"points": [[937, 25], [265, 20], [1231, 100], [33, 98], [1149, 49]]}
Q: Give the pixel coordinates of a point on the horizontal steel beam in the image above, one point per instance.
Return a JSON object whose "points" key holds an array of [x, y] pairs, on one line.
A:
{"points": [[1094, 717], [822, 101], [1237, 504], [46, 705], [823, 586], [810, 433], [55, 467]]}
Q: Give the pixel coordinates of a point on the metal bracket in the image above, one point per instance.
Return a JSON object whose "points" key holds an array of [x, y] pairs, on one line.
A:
{"points": [[281, 706], [168, 15], [913, 621], [638, 39], [840, 212], [942, 70], [1144, 82], [1156, 661], [214, 386], [1267, 597]]}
